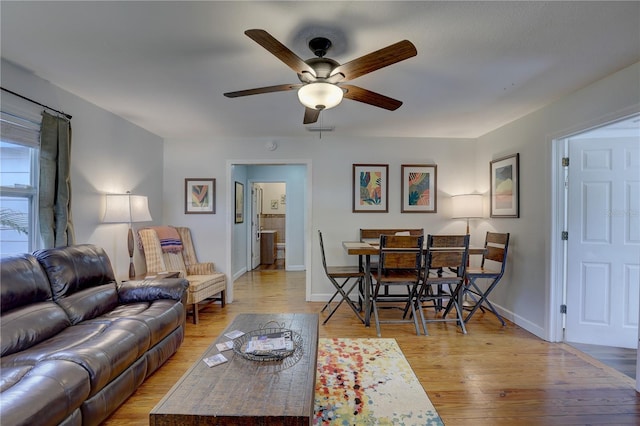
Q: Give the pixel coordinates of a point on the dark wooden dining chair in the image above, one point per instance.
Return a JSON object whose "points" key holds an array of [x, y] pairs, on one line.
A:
{"points": [[400, 268], [345, 279], [444, 272], [494, 261], [370, 234]]}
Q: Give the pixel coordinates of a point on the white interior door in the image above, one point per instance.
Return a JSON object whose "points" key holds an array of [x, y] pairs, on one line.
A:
{"points": [[604, 241], [256, 205]]}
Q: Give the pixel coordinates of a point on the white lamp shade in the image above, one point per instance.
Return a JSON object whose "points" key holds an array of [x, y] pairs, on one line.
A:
{"points": [[466, 206], [126, 208], [320, 95]]}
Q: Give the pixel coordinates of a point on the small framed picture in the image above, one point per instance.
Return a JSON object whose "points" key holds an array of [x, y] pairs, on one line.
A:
{"points": [[199, 196], [419, 188], [239, 209], [370, 188], [505, 186]]}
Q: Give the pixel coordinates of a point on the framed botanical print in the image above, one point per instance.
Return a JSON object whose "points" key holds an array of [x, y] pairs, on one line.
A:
{"points": [[505, 186], [239, 205], [419, 188], [370, 188], [199, 196]]}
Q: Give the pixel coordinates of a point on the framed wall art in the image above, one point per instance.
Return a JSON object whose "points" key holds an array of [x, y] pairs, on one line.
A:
{"points": [[419, 188], [370, 188], [199, 196], [505, 186], [239, 209]]}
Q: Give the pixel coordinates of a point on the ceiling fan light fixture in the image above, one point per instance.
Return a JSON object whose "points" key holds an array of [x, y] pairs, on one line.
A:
{"points": [[320, 95]]}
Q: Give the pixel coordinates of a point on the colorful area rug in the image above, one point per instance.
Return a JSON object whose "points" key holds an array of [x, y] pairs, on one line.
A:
{"points": [[368, 382]]}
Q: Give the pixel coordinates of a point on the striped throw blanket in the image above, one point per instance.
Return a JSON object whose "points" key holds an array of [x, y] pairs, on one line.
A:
{"points": [[169, 238]]}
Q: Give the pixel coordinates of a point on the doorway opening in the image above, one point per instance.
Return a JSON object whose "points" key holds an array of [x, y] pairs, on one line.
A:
{"points": [[268, 225], [296, 200]]}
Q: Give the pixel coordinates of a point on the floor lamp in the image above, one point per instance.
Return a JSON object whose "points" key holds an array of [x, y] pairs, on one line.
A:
{"points": [[127, 208], [467, 206]]}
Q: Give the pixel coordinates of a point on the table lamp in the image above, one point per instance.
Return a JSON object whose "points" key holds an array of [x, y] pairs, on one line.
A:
{"points": [[127, 208], [467, 206]]}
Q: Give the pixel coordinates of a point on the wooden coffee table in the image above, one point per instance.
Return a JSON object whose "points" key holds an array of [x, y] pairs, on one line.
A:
{"points": [[244, 392]]}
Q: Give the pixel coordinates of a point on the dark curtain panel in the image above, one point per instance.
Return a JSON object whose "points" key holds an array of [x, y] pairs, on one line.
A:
{"points": [[56, 226]]}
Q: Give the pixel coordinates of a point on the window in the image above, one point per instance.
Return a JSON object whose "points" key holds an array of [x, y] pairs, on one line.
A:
{"points": [[19, 152]]}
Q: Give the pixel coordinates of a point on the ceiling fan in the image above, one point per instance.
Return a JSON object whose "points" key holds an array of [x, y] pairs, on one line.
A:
{"points": [[322, 79]]}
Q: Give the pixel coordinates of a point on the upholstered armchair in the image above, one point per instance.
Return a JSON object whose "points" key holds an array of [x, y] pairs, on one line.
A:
{"points": [[178, 255]]}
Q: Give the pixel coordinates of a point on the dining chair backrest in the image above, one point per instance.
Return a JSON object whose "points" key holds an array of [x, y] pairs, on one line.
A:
{"points": [[398, 252], [367, 234], [495, 249], [447, 252], [324, 260], [370, 234]]}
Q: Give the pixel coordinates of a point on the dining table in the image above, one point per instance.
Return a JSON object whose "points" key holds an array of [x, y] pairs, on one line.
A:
{"points": [[368, 248]]}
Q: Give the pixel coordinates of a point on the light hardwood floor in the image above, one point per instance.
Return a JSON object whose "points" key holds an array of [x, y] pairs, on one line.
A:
{"points": [[494, 375]]}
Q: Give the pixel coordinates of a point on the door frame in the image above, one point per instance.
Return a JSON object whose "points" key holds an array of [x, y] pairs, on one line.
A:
{"points": [[558, 211], [307, 214]]}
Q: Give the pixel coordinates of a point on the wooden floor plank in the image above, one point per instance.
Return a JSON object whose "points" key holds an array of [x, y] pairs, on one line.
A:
{"points": [[494, 375]]}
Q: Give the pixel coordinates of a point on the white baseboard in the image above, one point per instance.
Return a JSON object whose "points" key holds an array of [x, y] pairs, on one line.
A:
{"points": [[519, 321], [240, 273], [295, 268]]}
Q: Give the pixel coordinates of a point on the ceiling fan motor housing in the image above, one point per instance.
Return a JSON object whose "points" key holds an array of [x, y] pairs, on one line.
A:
{"points": [[322, 67], [319, 46]]}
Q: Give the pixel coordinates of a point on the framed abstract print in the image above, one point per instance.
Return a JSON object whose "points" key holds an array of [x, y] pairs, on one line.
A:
{"points": [[505, 186], [419, 188], [370, 188], [199, 196]]}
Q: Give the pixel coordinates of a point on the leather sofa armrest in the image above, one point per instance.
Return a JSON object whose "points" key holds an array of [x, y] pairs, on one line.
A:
{"points": [[201, 268], [153, 289]]}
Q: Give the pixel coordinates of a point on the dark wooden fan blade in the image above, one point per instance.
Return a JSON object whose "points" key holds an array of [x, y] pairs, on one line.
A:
{"points": [[269, 89], [375, 60], [280, 51], [359, 94], [311, 115]]}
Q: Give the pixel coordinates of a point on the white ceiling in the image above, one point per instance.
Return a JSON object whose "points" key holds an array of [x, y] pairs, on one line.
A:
{"points": [[165, 65]]}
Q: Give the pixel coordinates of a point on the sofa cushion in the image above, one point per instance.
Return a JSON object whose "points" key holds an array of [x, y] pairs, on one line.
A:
{"points": [[108, 353], [43, 394], [160, 317], [67, 338], [28, 314], [83, 275], [22, 282], [25, 327], [74, 268], [90, 302]]}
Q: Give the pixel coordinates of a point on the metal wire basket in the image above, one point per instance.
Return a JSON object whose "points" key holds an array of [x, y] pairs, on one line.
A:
{"points": [[294, 343]]}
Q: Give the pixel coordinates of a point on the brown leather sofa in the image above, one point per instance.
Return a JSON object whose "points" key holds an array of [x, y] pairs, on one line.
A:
{"points": [[75, 343]]}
